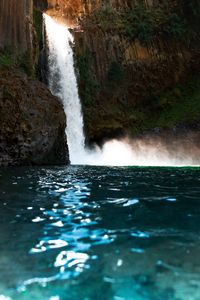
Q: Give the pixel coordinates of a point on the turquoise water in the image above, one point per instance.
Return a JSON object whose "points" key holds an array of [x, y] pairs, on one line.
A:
{"points": [[100, 233]]}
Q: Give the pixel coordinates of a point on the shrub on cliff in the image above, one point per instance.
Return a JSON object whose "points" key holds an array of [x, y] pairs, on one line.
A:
{"points": [[22, 62], [6, 60], [139, 24], [178, 20], [107, 17]]}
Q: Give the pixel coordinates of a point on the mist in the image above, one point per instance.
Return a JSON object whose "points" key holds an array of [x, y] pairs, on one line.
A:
{"points": [[152, 150]]}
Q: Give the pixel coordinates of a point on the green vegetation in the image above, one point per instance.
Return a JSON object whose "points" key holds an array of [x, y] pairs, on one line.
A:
{"points": [[177, 106], [139, 23], [172, 20], [9, 59], [115, 75], [6, 59], [22, 62], [25, 64], [38, 23], [176, 26], [107, 17], [88, 86]]}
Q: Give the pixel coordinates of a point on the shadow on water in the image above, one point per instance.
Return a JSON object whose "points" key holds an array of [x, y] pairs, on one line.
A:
{"points": [[99, 233]]}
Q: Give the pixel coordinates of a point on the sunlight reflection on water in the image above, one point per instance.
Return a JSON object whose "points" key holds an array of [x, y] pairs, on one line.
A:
{"points": [[88, 233]]}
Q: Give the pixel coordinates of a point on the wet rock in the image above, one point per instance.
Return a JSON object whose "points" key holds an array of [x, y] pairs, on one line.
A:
{"points": [[32, 122]]}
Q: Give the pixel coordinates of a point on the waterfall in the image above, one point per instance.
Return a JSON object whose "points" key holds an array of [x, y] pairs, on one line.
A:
{"points": [[63, 84]]}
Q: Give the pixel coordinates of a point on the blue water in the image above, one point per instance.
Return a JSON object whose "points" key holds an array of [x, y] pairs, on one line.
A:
{"points": [[73, 233]]}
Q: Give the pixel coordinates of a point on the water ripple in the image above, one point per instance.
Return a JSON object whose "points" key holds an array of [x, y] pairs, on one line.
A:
{"points": [[126, 231]]}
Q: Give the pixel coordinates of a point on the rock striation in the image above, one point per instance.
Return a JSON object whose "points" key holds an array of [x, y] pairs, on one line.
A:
{"points": [[128, 53], [32, 120], [16, 25]]}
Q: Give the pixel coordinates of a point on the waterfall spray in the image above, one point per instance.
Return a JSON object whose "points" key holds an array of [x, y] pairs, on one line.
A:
{"points": [[63, 84]]}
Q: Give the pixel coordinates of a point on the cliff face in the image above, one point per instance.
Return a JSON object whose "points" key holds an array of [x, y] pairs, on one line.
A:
{"points": [[16, 24], [69, 9], [32, 120], [32, 123], [128, 54]]}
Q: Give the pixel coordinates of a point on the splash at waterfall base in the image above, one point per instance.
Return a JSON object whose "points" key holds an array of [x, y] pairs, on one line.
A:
{"points": [[63, 84]]}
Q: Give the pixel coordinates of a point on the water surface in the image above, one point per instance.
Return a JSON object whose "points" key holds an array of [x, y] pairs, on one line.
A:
{"points": [[100, 233]]}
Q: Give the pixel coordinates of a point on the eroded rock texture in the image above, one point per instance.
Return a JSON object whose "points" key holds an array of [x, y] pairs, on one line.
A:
{"points": [[32, 121]]}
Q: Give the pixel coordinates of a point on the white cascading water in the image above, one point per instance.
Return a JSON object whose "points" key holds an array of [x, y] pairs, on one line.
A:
{"points": [[63, 84]]}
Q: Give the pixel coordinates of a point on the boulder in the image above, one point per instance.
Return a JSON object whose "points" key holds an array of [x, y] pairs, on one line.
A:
{"points": [[32, 121]]}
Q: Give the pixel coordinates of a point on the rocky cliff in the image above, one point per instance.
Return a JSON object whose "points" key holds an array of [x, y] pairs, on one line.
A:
{"points": [[16, 25], [21, 32], [129, 55], [32, 122]]}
